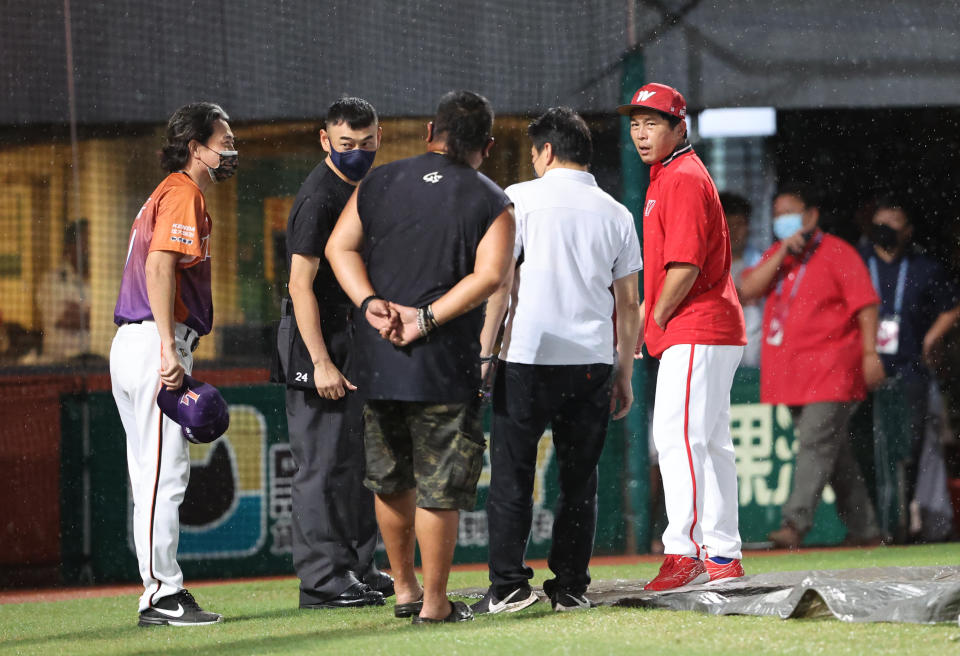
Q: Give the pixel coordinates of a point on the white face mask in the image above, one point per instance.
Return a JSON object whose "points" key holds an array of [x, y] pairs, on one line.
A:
{"points": [[786, 225]]}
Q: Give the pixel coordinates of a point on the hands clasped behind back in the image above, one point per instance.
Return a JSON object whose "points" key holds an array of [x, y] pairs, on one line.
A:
{"points": [[396, 323]]}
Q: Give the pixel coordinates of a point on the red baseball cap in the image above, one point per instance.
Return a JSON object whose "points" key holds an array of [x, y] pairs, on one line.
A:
{"points": [[659, 97]]}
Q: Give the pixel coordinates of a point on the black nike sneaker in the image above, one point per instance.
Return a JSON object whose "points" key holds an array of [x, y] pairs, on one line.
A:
{"points": [[517, 599], [179, 609]]}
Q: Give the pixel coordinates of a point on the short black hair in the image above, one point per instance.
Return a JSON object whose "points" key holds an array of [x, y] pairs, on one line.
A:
{"points": [[890, 200], [566, 132], [803, 191], [356, 112], [193, 121], [735, 204], [465, 119], [672, 120]]}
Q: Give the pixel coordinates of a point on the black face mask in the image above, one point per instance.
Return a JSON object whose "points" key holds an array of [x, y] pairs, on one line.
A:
{"points": [[229, 161], [884, 236]]}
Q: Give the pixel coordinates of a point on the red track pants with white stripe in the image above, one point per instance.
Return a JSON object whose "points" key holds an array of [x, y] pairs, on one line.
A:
{"points": [[691, 430]]}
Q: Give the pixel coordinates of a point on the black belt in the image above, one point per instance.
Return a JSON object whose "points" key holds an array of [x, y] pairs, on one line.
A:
{"points": [[327, 310]]}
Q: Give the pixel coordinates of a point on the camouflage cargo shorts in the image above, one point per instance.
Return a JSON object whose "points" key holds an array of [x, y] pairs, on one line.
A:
{"points": [[435, 448]]}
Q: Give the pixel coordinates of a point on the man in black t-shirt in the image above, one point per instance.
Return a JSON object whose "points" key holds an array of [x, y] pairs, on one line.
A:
{"points": [[334, 526], [435, 238]]}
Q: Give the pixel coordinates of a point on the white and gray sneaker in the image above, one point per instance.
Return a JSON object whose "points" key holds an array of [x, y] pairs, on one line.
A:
{"points": [[179, 609], [567, 601], [518, 599]]}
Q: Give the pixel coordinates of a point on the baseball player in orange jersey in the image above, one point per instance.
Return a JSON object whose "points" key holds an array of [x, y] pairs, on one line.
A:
{"points": [[694, 324], [163, 308]]}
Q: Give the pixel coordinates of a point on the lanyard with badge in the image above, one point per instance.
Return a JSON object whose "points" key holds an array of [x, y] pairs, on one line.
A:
{"points": [[781, 307], [888, 328]]}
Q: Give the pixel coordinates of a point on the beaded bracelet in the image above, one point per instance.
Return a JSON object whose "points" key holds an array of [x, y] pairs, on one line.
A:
{"points": [[421, 322], [426, 322]]}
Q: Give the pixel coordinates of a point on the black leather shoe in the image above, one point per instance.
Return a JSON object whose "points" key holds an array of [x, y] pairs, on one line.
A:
{"points": [[380, 582], [355, 596]]}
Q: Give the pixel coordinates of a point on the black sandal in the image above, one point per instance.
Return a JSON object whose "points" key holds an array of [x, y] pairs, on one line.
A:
{"points": [[409, 608], [459, 612]]}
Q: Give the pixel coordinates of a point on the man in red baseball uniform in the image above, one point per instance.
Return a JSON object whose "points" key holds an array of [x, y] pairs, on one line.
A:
{"points": [[693, 323]]}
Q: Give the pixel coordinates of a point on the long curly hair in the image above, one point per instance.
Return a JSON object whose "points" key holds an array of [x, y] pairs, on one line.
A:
{"points": [[193, 121]]}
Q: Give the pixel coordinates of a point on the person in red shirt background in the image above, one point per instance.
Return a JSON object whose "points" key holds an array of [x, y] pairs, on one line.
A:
{"points": [[819, 357], [693, 323]]}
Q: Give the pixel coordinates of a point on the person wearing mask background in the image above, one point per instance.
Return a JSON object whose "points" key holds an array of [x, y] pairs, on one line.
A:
{"points": [[918, 307], [819, 357]]}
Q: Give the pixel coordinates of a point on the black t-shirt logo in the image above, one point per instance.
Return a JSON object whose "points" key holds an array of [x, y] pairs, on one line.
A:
{"points": [[433, 177]]}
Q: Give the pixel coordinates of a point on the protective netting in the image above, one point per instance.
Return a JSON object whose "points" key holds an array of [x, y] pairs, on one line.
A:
{"points": [[87, 90], [69, 191]]}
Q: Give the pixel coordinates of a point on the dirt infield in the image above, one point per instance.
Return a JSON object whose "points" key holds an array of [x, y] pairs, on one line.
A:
{"points": [[65, 594]]}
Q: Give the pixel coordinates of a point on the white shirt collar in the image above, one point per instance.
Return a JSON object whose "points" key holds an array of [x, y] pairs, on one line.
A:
{"points": [[584, 177]]}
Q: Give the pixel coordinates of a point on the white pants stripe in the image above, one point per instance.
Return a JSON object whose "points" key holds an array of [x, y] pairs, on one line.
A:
{"points": [[691, 431], [157, 457]]}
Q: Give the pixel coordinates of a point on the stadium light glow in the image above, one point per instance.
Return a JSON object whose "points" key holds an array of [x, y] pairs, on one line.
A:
{"points": [[737, 122]]}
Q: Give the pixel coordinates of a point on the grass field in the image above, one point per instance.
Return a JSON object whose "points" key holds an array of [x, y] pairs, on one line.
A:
{"points": [[262, 618]]}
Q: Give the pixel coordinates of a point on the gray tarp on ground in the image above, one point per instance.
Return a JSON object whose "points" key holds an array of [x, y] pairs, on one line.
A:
{"points": [[922, 595]]}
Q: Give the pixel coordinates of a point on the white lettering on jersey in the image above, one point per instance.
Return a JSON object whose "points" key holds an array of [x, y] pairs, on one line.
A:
{"points": [[183, 230], [649, 207], [433, 177], [133, 233]]}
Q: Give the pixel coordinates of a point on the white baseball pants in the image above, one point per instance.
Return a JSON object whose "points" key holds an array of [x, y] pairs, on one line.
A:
{"points": [[157, 456], [691, 430]]}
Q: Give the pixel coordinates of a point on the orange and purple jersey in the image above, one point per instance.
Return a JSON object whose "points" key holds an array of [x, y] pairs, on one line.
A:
{"points": [[174, 218]]}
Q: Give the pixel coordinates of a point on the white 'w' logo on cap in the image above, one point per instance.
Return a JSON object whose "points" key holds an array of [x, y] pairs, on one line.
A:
{"points": [[643, 95]]}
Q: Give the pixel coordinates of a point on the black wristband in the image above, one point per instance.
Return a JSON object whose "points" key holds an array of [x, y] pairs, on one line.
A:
{"points": [[487, 358], [366, 302]]}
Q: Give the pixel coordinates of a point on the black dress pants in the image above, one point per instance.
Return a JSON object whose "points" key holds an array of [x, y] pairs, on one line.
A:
{"points": [[575, 400], [334, 522]]}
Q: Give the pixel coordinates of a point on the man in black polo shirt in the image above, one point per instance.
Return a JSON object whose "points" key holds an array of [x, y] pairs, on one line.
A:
{"points": [[334, 526], [435, 238]]}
